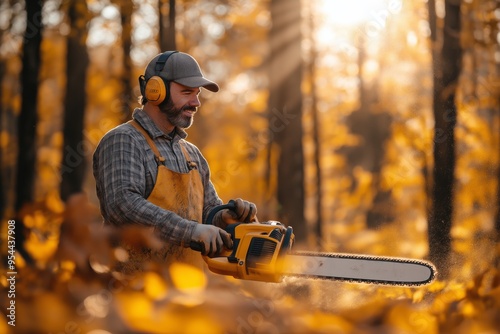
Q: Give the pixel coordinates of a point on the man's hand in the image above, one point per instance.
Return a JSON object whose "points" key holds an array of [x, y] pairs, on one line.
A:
{"points": [[245, 212], [211, 238]]}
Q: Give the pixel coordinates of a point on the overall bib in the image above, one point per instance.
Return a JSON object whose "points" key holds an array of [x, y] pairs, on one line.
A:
{"points": [[181, 193]]}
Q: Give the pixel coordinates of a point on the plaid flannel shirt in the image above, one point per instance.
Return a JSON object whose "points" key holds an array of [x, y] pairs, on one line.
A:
{"points": [[125, 171]]}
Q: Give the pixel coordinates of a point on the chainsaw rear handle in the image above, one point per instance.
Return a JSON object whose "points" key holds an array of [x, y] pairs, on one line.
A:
{"points": [[231, 205]]}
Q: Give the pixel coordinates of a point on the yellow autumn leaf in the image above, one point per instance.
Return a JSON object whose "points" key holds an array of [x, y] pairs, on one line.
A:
{"points": [[135, 309], [54, 202], [35, 220], [40, 248], [365, 311], [154, 285], [326, 322], [471, 308], [449, 294], [66, 265], [141, 314], [187, 278], [403, 318]]}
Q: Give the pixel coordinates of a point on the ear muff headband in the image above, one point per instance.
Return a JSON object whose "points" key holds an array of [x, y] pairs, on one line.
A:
{"points": [[156, 89]]}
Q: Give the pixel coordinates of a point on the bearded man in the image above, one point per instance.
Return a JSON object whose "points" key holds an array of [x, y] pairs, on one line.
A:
{"points": [[147, 174]]}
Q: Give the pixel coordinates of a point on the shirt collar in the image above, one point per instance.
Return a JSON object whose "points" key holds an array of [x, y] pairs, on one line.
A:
{"points": [[147, 123]]}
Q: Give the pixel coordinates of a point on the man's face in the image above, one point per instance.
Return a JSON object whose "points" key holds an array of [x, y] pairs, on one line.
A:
{"points": [[182, 105]]}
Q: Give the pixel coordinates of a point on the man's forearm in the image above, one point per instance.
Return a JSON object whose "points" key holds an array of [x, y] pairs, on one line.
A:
{"points": [[136, 210]]}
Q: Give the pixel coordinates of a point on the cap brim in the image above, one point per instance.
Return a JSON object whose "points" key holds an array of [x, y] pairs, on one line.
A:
{"points": [[198, 82]]}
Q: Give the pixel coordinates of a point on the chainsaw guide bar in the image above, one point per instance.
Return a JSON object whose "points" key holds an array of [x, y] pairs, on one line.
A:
{"points": [[358, 268]]}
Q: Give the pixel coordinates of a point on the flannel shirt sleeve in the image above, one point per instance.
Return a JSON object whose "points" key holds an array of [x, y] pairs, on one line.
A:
{"points": [[118, 167]]}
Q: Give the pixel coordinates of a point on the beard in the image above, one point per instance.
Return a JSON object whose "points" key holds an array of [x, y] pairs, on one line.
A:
{"points": [[176, 116]]}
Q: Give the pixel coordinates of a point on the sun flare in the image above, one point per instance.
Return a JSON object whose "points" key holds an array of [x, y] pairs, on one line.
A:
{"points": [[356, 12], [336, 20]]}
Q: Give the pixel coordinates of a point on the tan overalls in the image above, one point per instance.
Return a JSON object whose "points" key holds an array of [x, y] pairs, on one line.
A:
{"points": [[181, 193]]}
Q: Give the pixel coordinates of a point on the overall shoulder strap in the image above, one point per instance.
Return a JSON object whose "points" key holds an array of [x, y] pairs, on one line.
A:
{"points": [[191, 163], [159, 159]]}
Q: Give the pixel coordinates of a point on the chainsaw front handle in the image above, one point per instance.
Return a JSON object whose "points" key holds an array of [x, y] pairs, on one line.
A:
{"points": [[231, 205]]}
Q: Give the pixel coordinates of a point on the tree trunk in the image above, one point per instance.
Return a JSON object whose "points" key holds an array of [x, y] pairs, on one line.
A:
{"points": [[285, 111], [73, 161], [128, 99], [313, 55], [445, 83], [6, 120], [372, 125], [497, 216], [167, 25], [28, 119], [3, 185]]}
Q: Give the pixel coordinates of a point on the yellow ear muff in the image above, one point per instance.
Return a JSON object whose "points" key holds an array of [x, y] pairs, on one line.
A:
{"points": [[155, 91]]}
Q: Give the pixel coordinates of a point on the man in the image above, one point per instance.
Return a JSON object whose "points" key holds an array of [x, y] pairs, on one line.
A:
{"points": [[148, 174]]}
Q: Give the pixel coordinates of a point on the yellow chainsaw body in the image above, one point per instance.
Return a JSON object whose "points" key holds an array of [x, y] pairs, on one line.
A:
{"points": [[258, 249]]}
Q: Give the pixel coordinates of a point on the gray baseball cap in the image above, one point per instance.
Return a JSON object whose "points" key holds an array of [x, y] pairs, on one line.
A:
{"points": [[183, 69]]}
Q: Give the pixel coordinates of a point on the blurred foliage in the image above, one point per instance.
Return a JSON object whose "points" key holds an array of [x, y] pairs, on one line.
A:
{"points": [[74, 288]]}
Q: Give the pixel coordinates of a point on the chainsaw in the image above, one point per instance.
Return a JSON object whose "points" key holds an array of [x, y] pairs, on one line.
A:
{"points": [[263, 252]]}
